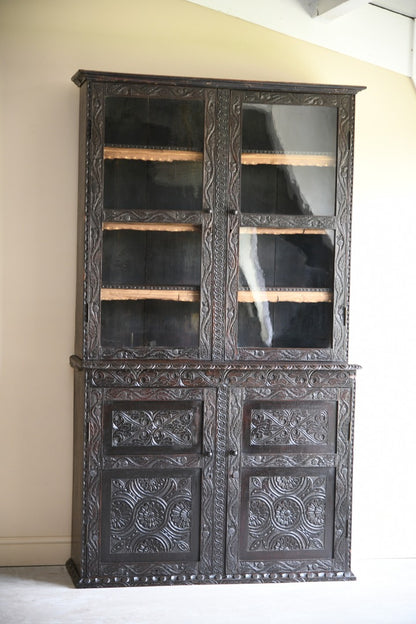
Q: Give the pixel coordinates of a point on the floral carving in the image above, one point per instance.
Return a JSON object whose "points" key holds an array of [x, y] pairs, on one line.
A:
{"points": [[180, 515], [292, 426], [315, 511], [150, 515], [287, 512], [146, 427]]}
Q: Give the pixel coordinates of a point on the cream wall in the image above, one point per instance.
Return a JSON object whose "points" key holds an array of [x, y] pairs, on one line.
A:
{"points": [[42, 43]]}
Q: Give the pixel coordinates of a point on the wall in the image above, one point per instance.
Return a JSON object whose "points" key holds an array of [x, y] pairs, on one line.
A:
{"points": [[42, 44]]}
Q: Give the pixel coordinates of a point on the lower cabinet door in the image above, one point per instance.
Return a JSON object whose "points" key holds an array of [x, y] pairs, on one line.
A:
{"points": [[288, 494], [154, 493]]}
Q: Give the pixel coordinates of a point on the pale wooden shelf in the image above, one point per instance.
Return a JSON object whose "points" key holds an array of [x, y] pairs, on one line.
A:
{"points": [[133, 294], [297, 160], [159, 155], [277, 231], [274, 296], [151, 227], [244, 296]]}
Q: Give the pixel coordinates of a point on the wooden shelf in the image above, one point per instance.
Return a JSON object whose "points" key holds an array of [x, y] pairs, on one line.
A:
{"points": [[159, 155], [151, 227], [133, 294], [279, 231], [297, 160], [295, 296], [248, 158]]}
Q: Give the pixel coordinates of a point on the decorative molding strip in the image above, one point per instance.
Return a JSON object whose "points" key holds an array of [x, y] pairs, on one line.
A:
{"points": [[35, 550], [186, 579]]}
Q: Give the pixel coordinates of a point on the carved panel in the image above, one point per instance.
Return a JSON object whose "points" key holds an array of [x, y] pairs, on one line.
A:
{"points": [[288, 426], [287, 514], [142, 426], [151, 516], [299, 426]]}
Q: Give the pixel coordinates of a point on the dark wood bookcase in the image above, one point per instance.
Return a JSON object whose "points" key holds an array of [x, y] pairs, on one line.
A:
{"points": [[213, 396]]}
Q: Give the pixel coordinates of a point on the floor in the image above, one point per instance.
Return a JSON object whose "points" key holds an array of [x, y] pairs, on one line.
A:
{"points": [[385, 593]]}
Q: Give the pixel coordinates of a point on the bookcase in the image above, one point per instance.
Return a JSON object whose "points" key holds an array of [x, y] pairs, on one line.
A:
{"points": [[214, 400]]}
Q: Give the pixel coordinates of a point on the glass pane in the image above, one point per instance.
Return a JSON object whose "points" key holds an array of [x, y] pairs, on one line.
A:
{"points": [[154, 122], [153, 154], [288, 260], [285, 324], [136, 258], [288, 159], [158, 272], [149, 323], [285, 288], [153, 161], [146, 185]]}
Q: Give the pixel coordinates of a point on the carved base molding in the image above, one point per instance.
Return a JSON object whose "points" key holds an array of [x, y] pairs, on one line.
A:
{"points": [[202, 579]]}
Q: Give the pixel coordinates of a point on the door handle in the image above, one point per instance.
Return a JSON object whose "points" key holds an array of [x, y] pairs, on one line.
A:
{"points": [[233, 452]]}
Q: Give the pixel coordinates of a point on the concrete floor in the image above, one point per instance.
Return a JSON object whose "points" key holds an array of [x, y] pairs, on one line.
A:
{"points": [[385, 593]]}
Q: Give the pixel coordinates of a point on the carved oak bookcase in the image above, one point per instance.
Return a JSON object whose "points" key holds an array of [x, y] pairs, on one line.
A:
{"points": [[213, 397]]}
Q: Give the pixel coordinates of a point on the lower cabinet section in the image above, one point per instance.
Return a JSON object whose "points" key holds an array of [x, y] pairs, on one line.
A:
{"points": [[227, 483]]}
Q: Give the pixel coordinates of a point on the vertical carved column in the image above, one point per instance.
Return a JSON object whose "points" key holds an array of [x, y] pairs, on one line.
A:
{"points": [[220, 484], [220, 223]]}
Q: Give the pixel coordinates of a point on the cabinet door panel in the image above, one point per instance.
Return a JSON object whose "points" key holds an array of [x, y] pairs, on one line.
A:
{"points": [[288, 227], [288, 482], [151, 516], [149, 222], [153, 497], [286, 513]]}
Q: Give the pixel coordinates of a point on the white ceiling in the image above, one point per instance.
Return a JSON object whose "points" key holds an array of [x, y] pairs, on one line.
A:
{"points": [[404, 7], [381, 32]]}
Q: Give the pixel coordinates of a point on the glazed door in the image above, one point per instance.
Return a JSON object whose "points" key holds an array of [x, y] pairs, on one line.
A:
{"points": [[288, 482], [151, 491], [288, 228], [152, 197]]}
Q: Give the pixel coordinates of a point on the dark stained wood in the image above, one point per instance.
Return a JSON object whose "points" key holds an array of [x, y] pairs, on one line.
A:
{"points": [[200, 456], [83, 75]]}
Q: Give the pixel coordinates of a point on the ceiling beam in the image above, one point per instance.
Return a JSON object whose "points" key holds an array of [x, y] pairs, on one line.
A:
{"points": [[329, 10]]}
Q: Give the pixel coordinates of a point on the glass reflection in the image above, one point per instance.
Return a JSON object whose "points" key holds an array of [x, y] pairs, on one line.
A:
{"points": [[302, 180], [254, 277], [285, 288]]}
